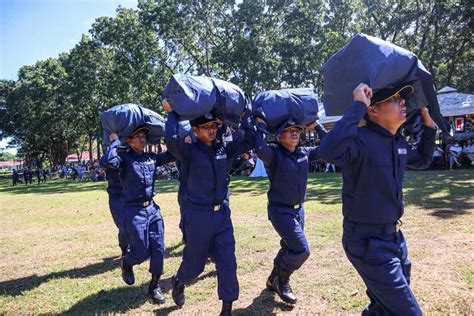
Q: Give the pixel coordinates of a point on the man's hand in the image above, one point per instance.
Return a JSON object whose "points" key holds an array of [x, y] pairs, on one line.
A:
{"points": [[260, 120], [362, 93], [166, 105], [312, 125], [427, 120], [188, 140], [113, 137]]}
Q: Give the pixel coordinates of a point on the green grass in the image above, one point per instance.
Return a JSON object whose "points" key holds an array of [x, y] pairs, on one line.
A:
{"points": [[60, 255]]}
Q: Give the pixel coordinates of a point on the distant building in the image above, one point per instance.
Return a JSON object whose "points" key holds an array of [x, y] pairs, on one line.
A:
{"points": [[458, 109]]}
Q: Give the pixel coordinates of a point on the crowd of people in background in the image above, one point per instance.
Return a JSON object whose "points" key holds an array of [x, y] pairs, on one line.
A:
{"points": [[453, 155]]}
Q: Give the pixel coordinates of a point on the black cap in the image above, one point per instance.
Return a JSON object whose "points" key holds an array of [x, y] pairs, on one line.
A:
{"points": [[384, 94], [203, 120], [143, 128], [288, 124]]}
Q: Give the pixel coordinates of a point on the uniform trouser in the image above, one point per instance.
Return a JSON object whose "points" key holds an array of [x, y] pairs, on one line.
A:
{"points": [[382, 262], [145, 232], [181, 218], [116, 209], [210, 233], [289, 224]]}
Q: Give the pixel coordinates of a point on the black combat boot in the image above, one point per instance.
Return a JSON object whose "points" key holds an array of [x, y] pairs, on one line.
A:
{"points": [[154, 290], [127, 272], [270, 279], [178, 291], [281, 284], [226, 309]]}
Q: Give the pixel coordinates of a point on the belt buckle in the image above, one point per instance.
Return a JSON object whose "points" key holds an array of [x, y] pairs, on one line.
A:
{"points": [[146, 203], [217, 208]]}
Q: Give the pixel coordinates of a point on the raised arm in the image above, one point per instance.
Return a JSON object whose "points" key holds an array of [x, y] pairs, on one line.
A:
{"points": [[313, 152], [111, 159], [340, 145], [174, 143], [262, 149], [421, 157], [164, 158], [245, 142]]}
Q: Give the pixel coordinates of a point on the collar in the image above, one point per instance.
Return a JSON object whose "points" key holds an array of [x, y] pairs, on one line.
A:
{"points": [[135, 153], [381, 130], [287, 152]]}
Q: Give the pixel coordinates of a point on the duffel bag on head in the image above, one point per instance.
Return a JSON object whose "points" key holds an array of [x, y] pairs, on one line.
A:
{"points": [[124, 118], [279, 106], [190, 96], [231, 102], [370, 60]]}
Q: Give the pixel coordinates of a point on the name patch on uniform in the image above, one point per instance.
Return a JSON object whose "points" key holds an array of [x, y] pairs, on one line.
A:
{"points": [[303, 159], [402, 151], [224, 156]]}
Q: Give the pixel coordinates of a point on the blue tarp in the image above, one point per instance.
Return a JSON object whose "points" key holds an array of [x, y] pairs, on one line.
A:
{"points": [[379, 64], [124, 118], [194, 96], [280, 106]]}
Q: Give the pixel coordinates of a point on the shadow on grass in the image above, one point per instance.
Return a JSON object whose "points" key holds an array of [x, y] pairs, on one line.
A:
{"points": [[53, 187], [123, 299], [455, 188], [174, 251], [17, 286], [263, 304], [118, 300], [69, 186]]}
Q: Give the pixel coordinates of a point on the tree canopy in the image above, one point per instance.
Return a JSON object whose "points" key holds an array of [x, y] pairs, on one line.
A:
{"points": [[53, 108]]}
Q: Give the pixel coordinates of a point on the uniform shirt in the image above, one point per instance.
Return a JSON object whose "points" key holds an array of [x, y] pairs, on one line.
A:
{"points": [[287, 172], [137, 172], [204, 167], [373, 163]]}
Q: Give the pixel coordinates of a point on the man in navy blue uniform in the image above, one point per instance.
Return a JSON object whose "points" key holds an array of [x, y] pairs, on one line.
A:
{"points": [[287, 166], [142, 218], [15, 177], [207, 223], [373, 161], [114, 190]]}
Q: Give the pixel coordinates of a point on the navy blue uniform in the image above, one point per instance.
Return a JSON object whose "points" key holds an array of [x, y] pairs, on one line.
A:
{"points": [[15, 177], [373, 163], [207, 223], [288, 175], [142, 218], [114, 190]]}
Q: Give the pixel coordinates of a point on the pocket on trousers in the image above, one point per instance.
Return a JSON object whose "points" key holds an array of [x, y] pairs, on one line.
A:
{"points": [[355, 247], [382, 251]]}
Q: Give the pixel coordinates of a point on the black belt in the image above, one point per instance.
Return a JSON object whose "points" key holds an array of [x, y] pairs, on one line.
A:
{"points": [[372, 228], [133, 203], [295, 207]]}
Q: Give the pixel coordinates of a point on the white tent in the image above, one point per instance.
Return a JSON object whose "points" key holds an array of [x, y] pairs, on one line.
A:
{"points": [[259, 170], [453, 103]]}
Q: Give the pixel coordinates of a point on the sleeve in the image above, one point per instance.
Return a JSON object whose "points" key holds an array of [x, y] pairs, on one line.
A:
{"points": [[421, 157], [174, 143], [111, 159], [164, 158], [312, 153], [341, 145], [247, 141], [262, 149], [321, 131]]}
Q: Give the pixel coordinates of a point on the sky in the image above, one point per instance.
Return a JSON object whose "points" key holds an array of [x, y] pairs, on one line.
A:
{"points": [[32, 30]]}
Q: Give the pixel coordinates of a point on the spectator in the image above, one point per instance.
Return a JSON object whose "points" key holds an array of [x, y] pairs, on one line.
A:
{"points": [[468, 150], [454, 153]]}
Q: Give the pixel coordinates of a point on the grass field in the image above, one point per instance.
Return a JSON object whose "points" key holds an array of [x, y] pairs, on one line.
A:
{"points": [[59, 252]]}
